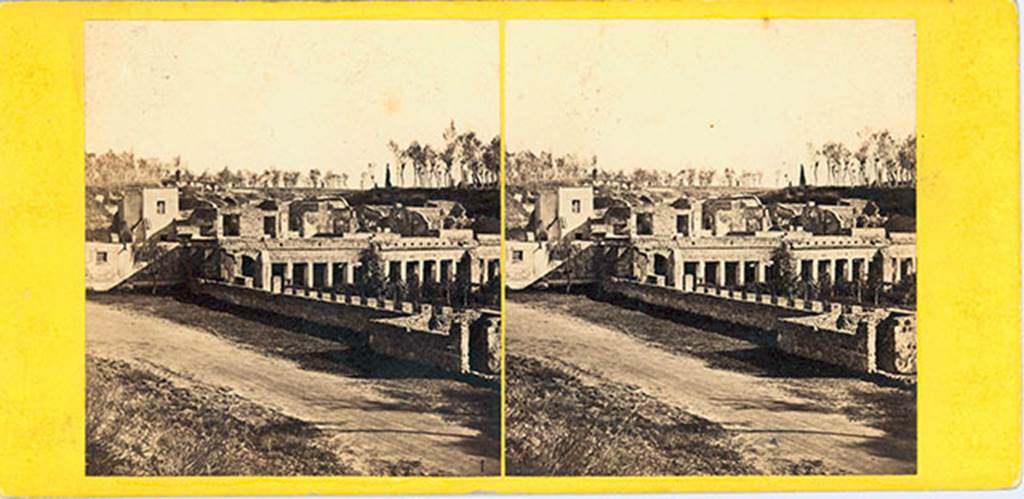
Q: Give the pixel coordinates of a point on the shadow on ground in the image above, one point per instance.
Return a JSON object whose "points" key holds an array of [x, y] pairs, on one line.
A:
{"points": [[466, 400], [876, 401]]}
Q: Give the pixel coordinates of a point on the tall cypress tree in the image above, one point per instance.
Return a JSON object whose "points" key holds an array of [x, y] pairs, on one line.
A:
{"points": [[783, 279], [373, 281], [803, 178]]}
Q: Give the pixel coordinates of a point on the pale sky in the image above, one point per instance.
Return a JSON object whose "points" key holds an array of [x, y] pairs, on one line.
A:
{"points": [[295, 94], [743, 94]]}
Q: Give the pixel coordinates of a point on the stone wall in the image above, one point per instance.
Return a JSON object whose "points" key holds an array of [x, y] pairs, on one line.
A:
{"points": [[897, 343], [485, 344], [793, 326], [447, 351], [852, 350], [367, 318], [745, 313]]}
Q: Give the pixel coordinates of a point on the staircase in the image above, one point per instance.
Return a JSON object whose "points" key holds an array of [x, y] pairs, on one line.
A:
{"points": [[518, 285], [107, 285], [550, 275], [120, 278]]}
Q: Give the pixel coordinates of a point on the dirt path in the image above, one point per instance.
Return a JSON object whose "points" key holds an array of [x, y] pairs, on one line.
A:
{"points": [[768, 419], [365, 426]]}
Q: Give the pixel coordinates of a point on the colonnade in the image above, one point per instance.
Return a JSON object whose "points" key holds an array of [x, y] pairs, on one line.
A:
{"points": [[328, 274], [739, 272]]}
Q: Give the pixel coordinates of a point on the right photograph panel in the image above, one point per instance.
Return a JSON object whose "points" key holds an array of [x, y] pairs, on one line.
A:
{"points": [[710, 248]]}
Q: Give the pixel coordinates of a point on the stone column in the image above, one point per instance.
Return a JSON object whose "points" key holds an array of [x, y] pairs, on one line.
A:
{"points": [[741, 273], [265, 271], [831, 268], [329, 277], [720, 271], [761, 268], [678, 270], [289, 271], [701, 270], [848, 270], [814, 270], [349, 273], [309, 274], [403, 271]]}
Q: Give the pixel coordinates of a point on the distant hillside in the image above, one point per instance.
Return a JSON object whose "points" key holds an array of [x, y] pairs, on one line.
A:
{"points": [[478, 203], [892, 201]]}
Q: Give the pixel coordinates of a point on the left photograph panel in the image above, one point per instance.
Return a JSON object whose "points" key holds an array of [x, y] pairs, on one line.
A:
{"points": [[292, 248]]}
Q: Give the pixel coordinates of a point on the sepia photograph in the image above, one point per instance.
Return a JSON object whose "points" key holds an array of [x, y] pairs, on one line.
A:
{"points": [[710, 248], [293, 250]]}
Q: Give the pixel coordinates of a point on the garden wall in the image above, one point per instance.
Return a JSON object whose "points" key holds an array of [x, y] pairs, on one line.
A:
{"points": [[368, 319]]}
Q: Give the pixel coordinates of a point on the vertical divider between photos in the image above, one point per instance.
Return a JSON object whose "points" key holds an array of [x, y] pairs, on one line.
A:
{"points": [[501, 221]]}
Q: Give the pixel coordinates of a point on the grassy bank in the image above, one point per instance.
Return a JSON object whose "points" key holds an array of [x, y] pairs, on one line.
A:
{"points": [[139, 423]]}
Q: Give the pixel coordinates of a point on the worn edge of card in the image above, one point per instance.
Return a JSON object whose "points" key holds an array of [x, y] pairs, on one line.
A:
{"points": [[969, 251]]}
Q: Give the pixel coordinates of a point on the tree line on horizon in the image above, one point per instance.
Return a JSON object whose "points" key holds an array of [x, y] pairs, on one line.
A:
{"points": [[462, 160], [880, 159], [526, 167]]}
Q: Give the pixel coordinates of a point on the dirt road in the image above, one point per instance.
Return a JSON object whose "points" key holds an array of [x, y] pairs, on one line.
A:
{"points": [[365, 426], [769, 420]]}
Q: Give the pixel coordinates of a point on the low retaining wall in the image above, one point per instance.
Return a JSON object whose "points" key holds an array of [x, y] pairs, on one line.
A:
{"points": [[448, 351], [752, 313], [852, 350], [790, 327], [369, 319]]}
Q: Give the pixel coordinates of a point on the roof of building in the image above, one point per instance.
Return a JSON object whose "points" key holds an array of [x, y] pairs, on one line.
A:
{"points": [[432, 215], [682, 203], [447, 207], [901, 223]]}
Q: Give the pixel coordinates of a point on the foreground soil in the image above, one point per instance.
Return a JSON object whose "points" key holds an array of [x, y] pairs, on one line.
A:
{"points": [[140, 422], [371, 415], [777, 414]]}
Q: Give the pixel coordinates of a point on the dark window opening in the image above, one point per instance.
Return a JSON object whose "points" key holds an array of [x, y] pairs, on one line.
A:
{"points": [[644, 224], [248, 266], [270, 226], [101, 256], [299, 275], [660, 265], [711, 272], [806, 269], [730, 273], [161, 207], [232, 225], [683, 225], [319, 275]]}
